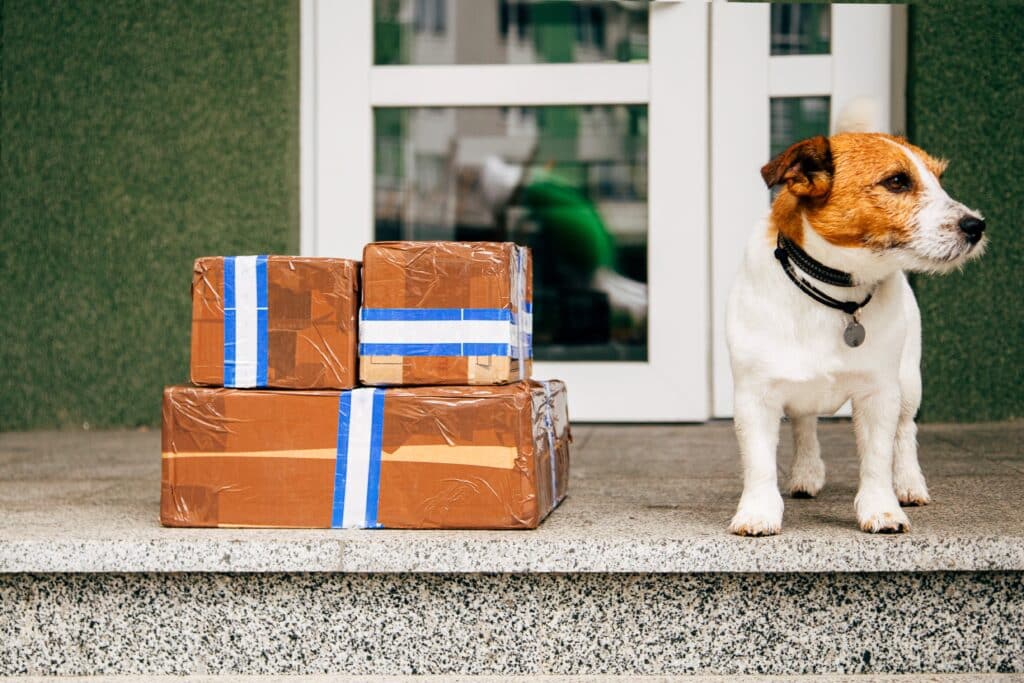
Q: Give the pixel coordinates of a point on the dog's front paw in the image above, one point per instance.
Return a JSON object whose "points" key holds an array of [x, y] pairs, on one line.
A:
{"points": [[881, 514], [911, 490], [759, 515]]}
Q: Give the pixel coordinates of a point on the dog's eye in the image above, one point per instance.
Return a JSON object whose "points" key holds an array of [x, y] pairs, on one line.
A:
{"points": [[899, 182]]}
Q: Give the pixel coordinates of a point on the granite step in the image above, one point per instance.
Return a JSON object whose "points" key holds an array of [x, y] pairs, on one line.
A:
{"points": [[633, 575], [856, 678]]}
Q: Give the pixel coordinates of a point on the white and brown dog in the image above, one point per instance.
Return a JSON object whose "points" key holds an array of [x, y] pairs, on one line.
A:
{"points": [[821, 312]]}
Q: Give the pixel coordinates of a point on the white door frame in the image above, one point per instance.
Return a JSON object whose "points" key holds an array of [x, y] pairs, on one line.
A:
{"points": [[744, 77], [340, 86]]}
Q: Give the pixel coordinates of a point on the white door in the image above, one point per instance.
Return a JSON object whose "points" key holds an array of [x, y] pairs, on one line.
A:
{"points": [[400, 140], [420, 116], [781, 73]]}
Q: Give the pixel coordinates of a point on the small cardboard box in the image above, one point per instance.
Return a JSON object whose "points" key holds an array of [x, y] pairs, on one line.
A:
{"points": [[274, 321], [445, 313], [494, 457]]}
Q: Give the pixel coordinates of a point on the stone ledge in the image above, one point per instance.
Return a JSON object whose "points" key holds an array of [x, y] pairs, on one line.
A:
{"points": [[399, 552], [511, 624], [599, 678], [642, 499]]}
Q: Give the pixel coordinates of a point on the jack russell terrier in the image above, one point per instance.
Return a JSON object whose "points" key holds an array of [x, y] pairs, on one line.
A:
{"points": [[821, 312]]}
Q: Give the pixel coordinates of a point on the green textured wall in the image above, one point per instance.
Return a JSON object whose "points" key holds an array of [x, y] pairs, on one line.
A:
{"points": [[135, 136], [966, 103]]}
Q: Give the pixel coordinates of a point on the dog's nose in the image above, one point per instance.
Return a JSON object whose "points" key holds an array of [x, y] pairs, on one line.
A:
{"points": [[972, 227]]}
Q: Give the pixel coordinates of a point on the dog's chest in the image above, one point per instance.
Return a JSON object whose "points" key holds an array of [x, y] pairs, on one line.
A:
{"points": [[823, 372], [820, 396], [794, 347]]}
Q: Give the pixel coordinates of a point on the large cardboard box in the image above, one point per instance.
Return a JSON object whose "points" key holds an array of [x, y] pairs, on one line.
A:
{"points": [[445, 313], [274, 321], [494, 457]]}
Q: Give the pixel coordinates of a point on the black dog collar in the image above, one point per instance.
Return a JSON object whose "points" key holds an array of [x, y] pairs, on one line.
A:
{"points": [[789, 254]]}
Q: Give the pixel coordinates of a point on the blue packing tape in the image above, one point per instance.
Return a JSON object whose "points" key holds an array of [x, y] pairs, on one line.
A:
{"points": [[434, 314], [341, 461], [373, 476], [230, 321], [345, 459], [262, 335]]}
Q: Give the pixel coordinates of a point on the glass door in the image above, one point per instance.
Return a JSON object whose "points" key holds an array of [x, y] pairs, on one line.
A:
{"points": [[576, 128]]}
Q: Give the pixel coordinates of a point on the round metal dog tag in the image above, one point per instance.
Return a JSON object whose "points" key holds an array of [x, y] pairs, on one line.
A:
{"points": [[854, 334]]}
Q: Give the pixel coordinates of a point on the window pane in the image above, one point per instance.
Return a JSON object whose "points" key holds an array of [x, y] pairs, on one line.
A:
{"points": [[508, 31], [796, 118], [801, 29], [570, 182]]}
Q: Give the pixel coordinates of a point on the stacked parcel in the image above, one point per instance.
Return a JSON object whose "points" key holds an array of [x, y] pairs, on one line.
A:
{"points": [[445, 313], [491, 457], [274, 321], [478, 445]]}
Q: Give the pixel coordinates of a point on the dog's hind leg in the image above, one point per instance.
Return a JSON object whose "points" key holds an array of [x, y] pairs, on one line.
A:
{"points": [[807, 475], [907, 479]]}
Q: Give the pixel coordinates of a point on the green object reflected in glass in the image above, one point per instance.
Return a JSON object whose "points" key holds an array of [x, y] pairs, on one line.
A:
{"points": [[568, 181], [509, 31], [801, 28]]}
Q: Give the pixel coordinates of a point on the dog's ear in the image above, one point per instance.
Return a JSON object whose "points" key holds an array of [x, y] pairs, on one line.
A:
{"points": [[806, 167]]}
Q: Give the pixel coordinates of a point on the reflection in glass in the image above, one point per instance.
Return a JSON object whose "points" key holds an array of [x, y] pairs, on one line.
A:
{"points": [[796, 118], [801, 29], [509, 31], [570, 182]]}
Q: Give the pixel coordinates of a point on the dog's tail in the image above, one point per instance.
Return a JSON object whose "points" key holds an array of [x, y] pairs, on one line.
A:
{"points": [[860, 115]]}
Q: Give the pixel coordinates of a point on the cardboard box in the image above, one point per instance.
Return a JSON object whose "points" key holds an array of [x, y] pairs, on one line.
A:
{"points": [[445, 313], [274, 321], [493, 457]]}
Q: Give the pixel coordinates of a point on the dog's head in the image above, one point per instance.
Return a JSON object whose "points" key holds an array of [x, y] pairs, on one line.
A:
{"points": [[877, 193]]}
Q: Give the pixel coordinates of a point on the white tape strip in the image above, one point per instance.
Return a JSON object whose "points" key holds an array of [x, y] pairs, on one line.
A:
{"points": [[435, 332], [245, 321], [360, 432], [519, 297]]}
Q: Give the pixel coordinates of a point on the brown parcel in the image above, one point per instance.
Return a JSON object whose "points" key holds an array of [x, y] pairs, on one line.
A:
{"points": [[448, 275], [311, 322], [449, 457]]}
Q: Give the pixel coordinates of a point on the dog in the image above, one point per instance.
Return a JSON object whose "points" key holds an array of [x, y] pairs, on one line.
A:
{"points": [[821, 312]]}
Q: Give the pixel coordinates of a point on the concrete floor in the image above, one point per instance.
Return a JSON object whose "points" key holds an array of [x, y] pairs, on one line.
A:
{"points": [[641, 499]]}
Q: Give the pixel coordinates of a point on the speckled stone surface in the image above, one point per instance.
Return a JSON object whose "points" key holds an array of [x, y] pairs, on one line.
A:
{"points": [[579, 624], [852, 678], [642, 499]]}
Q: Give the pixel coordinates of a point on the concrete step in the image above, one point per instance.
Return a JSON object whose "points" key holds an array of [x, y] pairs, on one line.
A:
{"points": [[634, 575], [858, 678]]}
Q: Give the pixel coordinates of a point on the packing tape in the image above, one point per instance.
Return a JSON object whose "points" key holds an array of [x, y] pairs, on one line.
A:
{"points": [[513, 296], [519, 293], [549, 427], [499, 457], [357, 468], [436, 331], [245, 321]]}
